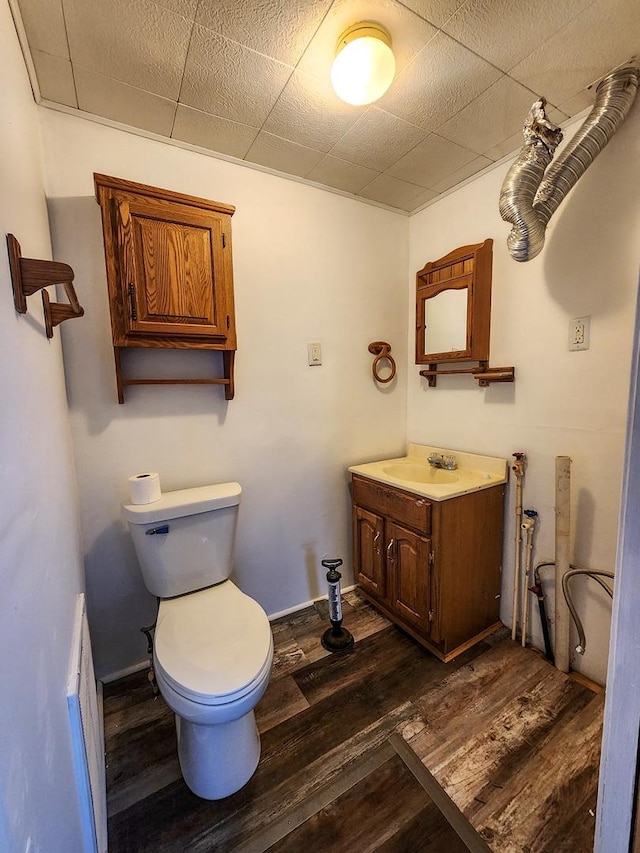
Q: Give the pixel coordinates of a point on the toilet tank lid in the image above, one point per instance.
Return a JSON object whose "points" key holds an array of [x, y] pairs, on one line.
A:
{"points": [[184, 502]]}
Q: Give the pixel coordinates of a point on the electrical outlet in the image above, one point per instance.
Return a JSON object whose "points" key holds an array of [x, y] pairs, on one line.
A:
{"points": [[314, 352], [579, 333]]}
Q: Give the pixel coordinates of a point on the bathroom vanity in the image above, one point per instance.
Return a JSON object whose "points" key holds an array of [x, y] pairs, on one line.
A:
{"points": [[427, 544]]}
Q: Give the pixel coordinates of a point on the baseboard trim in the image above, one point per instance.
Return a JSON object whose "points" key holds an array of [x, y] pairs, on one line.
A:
{"points": [[121, 673], [297, 607], [138, 667]]}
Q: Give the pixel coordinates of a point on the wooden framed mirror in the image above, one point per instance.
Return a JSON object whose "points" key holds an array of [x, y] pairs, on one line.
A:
{"points": [[453, 314]]}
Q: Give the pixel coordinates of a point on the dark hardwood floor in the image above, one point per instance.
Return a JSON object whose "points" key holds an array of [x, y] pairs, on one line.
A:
{"points": [[384, 748]]}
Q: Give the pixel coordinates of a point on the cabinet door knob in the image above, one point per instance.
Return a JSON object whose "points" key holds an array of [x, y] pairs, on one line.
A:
{"points": [[376, 547]]}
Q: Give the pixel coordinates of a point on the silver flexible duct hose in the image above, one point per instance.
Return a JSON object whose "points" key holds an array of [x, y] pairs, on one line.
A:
{"points": [[529, 198]]}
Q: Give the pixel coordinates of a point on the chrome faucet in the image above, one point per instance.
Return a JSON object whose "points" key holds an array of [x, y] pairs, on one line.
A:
{"points": [[439, 460]]}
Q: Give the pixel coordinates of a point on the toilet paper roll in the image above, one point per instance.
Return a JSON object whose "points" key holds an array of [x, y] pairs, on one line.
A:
{"points": [[144, 488]]}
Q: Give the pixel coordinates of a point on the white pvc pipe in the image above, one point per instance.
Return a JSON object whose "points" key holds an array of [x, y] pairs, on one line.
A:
{"points": [[563, 560], [528, 525], [518, 470]]}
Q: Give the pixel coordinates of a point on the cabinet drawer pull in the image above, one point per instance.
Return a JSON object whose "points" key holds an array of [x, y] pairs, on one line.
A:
{"points": [[376, 547], [390, 555]]}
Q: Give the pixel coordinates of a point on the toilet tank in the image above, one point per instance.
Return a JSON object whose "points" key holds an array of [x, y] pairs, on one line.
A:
{"points": [[184, 541]]}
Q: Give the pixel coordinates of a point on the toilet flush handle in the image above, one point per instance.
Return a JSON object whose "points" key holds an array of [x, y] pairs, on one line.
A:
{"points": [[155, 531]]}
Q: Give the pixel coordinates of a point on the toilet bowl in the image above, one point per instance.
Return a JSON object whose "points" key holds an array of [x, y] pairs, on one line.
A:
{"points": [[213, 652], [213, 647]]}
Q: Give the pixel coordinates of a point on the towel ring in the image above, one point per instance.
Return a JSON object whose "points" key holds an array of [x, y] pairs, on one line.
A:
{"points": [[382, 351]]}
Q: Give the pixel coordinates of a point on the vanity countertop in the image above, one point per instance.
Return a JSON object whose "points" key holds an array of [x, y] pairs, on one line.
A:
{"points": [[413, 473]]}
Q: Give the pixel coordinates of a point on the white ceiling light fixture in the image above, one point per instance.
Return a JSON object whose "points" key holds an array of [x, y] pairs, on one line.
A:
{"points": [[364, 66]]}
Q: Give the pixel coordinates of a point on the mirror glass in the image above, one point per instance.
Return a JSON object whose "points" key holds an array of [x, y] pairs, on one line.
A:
{"points": [[445, 316]]}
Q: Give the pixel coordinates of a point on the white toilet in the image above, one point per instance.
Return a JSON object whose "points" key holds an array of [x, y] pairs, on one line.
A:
{"points": [[213, 646]]}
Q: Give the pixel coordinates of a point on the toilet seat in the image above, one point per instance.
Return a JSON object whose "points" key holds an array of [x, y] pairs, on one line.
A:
{"points": [[213, 646]]}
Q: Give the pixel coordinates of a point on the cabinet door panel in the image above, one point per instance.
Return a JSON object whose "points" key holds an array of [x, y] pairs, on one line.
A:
{"points": [[408, 567], [368, 532], [173, 271]]}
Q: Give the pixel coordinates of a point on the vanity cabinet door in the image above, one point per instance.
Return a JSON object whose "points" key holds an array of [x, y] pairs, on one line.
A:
{"points": [[368, 534], [407, 561]]}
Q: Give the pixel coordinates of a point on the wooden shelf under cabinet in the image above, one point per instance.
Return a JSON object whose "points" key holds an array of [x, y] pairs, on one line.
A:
{"points": [[227, 380], [433, 567], [169, 273]]}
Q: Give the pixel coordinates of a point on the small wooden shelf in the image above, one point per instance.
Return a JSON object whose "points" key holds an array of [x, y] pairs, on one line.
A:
{"points": [[482, 372], [29, 275], [228, 360]]}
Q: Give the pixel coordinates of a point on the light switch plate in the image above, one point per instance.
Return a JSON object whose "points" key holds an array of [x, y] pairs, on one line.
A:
{"points": [[314, 351]]}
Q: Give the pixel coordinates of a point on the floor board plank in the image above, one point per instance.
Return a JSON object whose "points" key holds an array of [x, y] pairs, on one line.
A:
{"points": [[365, 818], [552, 793], [491, 724], [478, 767], [283, 699]]}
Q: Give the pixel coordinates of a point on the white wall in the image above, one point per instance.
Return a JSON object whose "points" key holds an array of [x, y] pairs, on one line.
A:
{"points": [[562, 403], [308, 265], [40, 555]]}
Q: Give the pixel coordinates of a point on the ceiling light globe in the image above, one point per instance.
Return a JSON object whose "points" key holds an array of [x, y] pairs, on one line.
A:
{"points": [[364, 66]]}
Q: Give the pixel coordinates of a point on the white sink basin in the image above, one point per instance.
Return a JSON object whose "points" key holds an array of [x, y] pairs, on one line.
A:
{"points": [[413, 473], [422, 473]]}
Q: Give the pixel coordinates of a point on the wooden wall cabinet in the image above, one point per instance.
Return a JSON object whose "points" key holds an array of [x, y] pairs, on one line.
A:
{"points": [[169, 272], [433, 567], [453, 315]]}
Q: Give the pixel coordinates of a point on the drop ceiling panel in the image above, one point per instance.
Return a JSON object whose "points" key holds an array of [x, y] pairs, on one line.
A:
{"points": [[466, 171], [122, 103], [606, 35], [441, 80], [186, 8], [504, 31], [435, 11], [224, 78], [55, 78], [377, 140], [209, 131], [250, 79], [493, 116], [341, 174], [512, 144], [277, 28], [135, 41], [310, 113], [283, 155], [392, 191], [44, 25], [579, 102], [431, 161]]}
